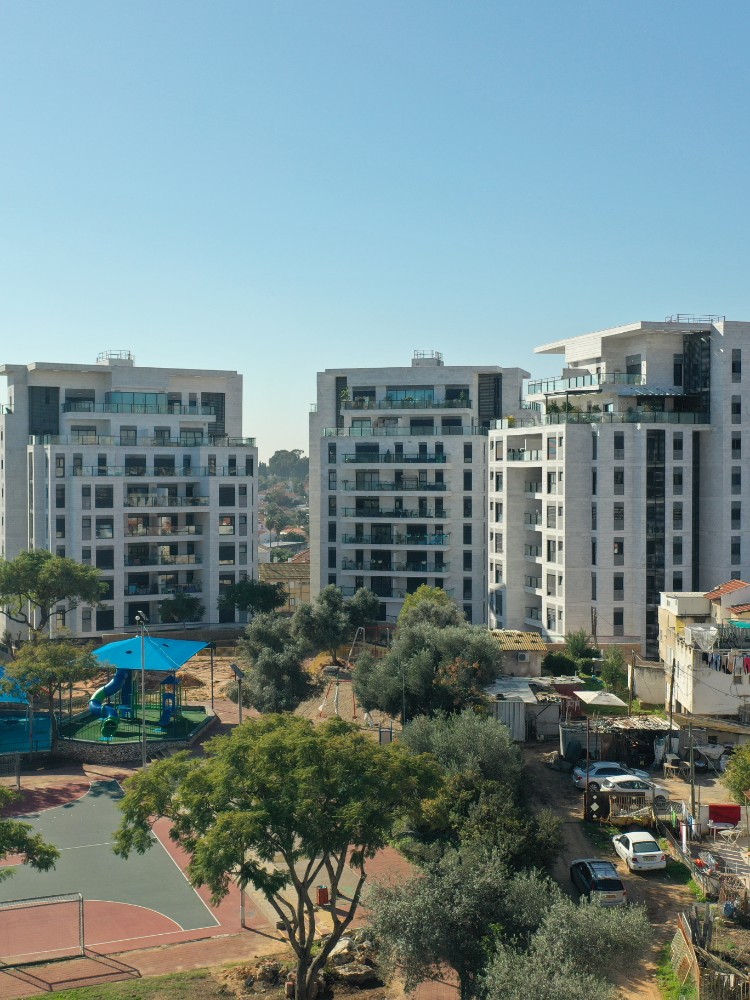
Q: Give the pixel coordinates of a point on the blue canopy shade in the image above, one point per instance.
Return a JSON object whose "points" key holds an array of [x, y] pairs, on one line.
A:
{"points": [[161, 654], [11, 696]]}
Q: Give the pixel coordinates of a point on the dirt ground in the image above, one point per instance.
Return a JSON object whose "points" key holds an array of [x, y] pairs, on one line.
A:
{"points": [[663, 899]]}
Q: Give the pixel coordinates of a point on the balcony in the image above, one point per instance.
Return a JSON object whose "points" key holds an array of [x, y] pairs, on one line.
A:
{"points": [[158, 472], [390, 459], [153, 500], [523, 455], [533, 615], [532, 551], [169, 590], [532, 488], [141, 440], [418, 514], [167, 409], [441, 539], [378, 566], [144, 530], [407, 487], [387, 403], [553, 385], [532, 519], [633, 416], [155, 559], [532, 583], [474, 430]]}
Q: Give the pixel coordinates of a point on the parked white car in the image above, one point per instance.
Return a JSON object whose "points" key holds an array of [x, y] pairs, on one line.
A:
{"points": [[639, 851], [631, 783], [603, 769]]}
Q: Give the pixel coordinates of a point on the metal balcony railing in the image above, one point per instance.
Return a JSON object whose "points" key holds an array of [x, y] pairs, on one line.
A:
{"points": [[405, 404], [418, 432], [378, 566], [399, 459], [396, 539], [404, 487], [396, 513], [168, 409], [154, 500], [551, 385], [159, 472], [154, 559], [183, 529]]}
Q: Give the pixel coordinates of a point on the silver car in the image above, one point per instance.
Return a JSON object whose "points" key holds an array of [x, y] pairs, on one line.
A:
{"points": [[630, 783], [602, 769]]}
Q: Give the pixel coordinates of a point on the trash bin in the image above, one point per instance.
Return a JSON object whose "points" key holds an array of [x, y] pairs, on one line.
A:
{"points": [[322, 895]]}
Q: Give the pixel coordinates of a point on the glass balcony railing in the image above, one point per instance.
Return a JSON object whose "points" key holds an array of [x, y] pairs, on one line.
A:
{"points": [[168, 409], [523, 455], [396, 513], [154, 500], [378, 566], [388, 403], [184, 529], [159, 472], [634, 416], [407, 487], [473, 430], [155, 559], [550, 385], [398, 459], [397, 539], [141, 440]]}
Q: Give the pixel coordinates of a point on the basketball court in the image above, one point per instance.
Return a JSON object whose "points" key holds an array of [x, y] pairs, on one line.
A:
{"points": [[127, 904]]}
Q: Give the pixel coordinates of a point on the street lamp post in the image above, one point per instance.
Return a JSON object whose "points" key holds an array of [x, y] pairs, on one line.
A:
{"points": [[141, 619], [240, 675]]}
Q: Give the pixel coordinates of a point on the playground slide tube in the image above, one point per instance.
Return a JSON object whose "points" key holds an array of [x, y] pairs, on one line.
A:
{"points": [[96, 705]]}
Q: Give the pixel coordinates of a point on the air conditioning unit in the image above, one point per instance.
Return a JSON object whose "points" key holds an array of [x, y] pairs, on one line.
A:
{"points": [[523, 657]]}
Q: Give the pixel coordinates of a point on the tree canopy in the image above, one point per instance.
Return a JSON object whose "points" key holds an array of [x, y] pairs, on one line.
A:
{"points": [[37, 584], [737, 775], [330, 620], [253, 596], [290, 464], [429, 606], [41, 666], [181, 608], [17, 838], [279, 804], [614, 669], [275, 679]]}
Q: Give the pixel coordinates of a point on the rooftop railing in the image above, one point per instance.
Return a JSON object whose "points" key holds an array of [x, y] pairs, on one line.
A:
{"points": [[159, 472], [365, 403], [549, 385], [629, 417], [417, 432], [168, 409]]}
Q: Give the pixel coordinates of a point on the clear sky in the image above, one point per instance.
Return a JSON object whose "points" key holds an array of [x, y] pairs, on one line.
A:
{"points": [[281, 187]]}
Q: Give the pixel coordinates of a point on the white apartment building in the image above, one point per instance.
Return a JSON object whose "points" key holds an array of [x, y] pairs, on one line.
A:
{"points": [[141, 472], [623, 479], [398, 478]]}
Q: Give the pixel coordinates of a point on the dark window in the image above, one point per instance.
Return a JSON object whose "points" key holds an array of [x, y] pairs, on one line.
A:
{"points": [[332, 558], [467, 451], [59, 527], [677, 446], [677, 369], [736, 515], [677, 481], [60, 466], [618, 551], [551, 447], [59, 496], [249, 465], [618, 621], [216, 401], [467, 560], [677, 580], [332, 453], [618, 517], [677, 551], [467, 588], [108, 591], [619, 444], [226, 555], [736, 550], [226, 496], [736, 409], [593, 586], [105, 619], [593, 517], [105, 527], [467, 506], [332, 479], [104, 496], [331, 531], [593, 482], [677, 516], [736, 479], [135, 465], [226, 524], [467, 534], [331, 505], [618, 587], [467, 479], [60, 551], [105, 558], [593, 552], [594, 446], [736, 445], [44, 410], [619, 480], [467, 613], [736, 365]]}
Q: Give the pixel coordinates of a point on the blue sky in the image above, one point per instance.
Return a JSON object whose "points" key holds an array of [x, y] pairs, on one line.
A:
{"points": [[282, 187]]}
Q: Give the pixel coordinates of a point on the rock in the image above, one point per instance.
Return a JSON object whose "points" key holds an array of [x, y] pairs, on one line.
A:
{"points": [[358, 975], [341, 947], [365, 945], [343, 958], [269, 973]]}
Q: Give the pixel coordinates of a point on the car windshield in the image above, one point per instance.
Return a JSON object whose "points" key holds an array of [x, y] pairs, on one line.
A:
{"points": [[608, 885], [645, 847]]}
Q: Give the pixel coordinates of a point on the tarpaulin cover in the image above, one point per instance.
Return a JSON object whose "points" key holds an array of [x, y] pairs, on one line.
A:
{"points": [[161, 654], [11, 696]]}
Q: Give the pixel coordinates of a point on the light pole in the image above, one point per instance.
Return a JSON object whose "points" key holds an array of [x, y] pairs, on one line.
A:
{"points": [[240, 675], [141, 619]]}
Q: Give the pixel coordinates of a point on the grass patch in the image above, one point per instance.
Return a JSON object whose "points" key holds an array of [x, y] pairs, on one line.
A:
{"points": [[174, 986], [677, 872], [668, 983], [696, 890], [600, 835]]}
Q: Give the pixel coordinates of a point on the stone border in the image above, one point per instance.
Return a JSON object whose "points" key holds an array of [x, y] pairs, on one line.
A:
{"points": [[88, 752]]}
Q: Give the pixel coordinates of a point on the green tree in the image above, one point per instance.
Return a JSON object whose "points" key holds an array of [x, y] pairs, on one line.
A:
{"points": [[276, 519], [181, 608], [279, 804], [37, 584], [559, 665], [17, 838], [331, 621], [41, 666], [737, 775], [578, 644], [429, 606], [252, 596], [445, 917], [614, 669], [289, 464], [275, 679]]}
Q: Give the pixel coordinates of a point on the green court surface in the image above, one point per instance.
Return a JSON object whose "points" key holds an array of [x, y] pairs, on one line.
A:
{"points": [[82, 831], [88, 727]]}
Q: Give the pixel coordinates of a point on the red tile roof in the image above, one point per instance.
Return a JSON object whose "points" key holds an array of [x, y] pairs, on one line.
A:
{"points": [[740, 609], [301, 557], [725, 588]]}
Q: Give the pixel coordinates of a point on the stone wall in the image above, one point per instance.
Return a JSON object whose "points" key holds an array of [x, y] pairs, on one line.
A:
{"points": [[89, 752]]}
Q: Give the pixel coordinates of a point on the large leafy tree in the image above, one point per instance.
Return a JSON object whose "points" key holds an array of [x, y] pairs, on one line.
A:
{"points": [[578, 644], [275, 679], [614, 669], [737, 775], [331, 620], [280, 804], [253, 596], [181, 608], [17, 838], [289, 464], [40, 667], [37, 584], [430, 606]]}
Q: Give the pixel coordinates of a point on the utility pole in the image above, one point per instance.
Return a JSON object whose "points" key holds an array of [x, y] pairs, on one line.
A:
{"points": [[671, 700], [692, 774]]}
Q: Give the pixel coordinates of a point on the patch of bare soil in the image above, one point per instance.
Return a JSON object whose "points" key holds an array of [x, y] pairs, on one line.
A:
{"points": [[663, 899], [269, 976]]}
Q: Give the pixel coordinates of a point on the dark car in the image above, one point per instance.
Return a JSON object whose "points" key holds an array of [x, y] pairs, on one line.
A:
{"points": [[599, 881]]}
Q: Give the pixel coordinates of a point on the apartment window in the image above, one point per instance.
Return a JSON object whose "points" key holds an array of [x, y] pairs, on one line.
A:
{"points": [[211, 469], [332, 506], [60, 466], [331, 531], [439, 480], [59, 527], [85, 619], [332, 479], [736, 409], [77, 465], [677, 369], [552, 482], [736, 550], [226, 555], [243, 553], [104, 497], [332, 454], [108, 591], [467, 613], [467, 451], [736, 479], [226, 496], [332, 558], [332, 579], [618, 479], [677, 551], [736, 515], [593, 586], [619, 444], [105, 619], [633, 364], [677, 580], [467, 588], [129, 436], [551, 516], [249, 465], [677, 446], [618, 551], [467, 479], [593, 517], [593, 482], [101, 464], [86, 528], [618, 517], [467, 507], [467, 534], [86, 554], [226, 524], [736, 446], [618, 621], [594, 446], [467, 561], [618, 587], [105, 558], [243, 525], [677, 516], [551, 550], [551, 447], [677, 481], [105, 527], [593, 552], [59, 497], [736, 365]]}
